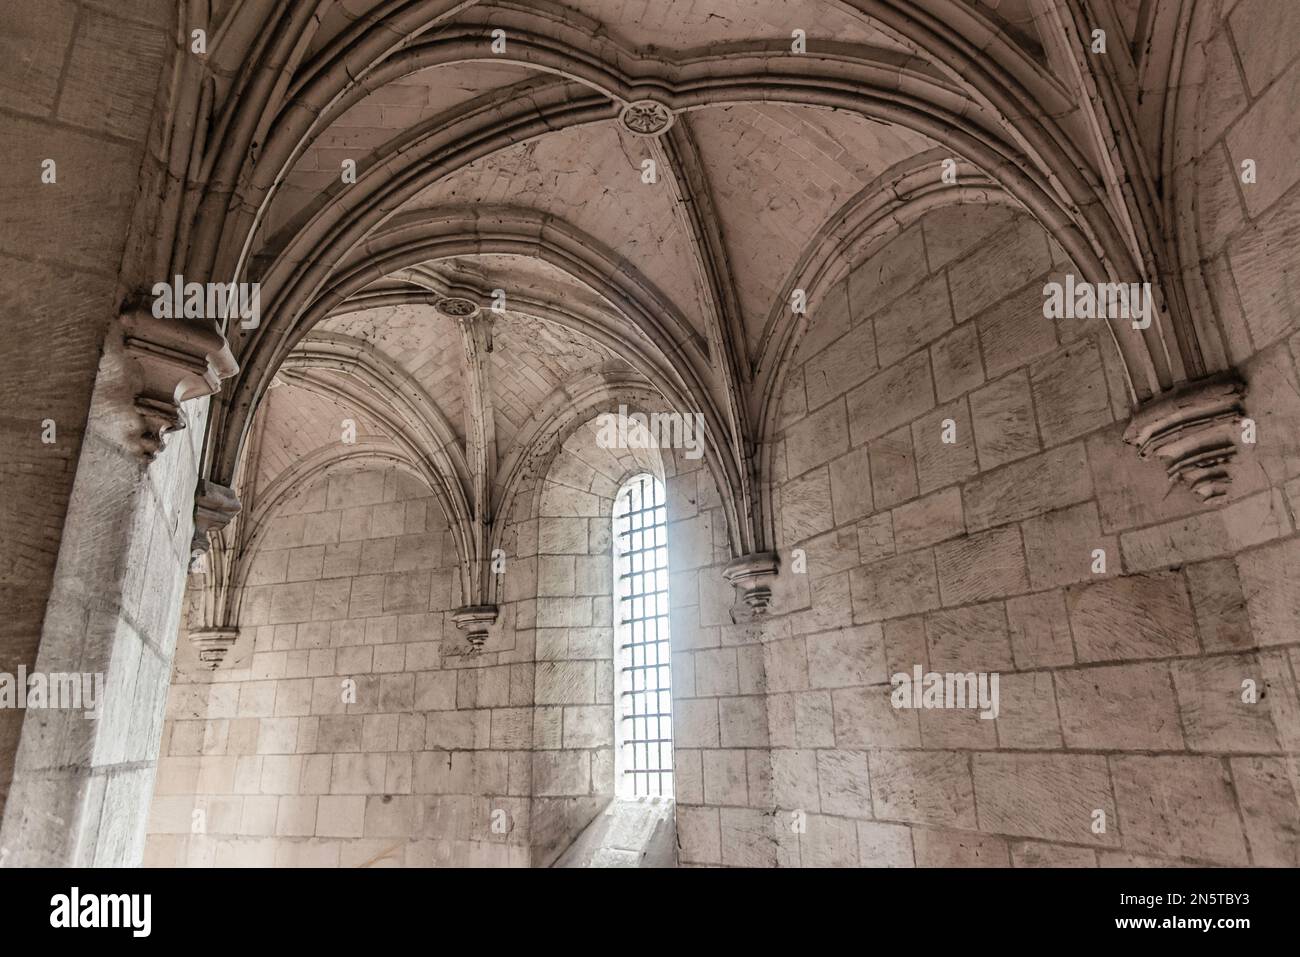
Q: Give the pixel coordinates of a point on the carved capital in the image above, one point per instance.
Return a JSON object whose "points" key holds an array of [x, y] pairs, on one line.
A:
{"points": [[474, 621], [215, 506], [751, 575], [214, 644], [177, 360], [1193, 432]]}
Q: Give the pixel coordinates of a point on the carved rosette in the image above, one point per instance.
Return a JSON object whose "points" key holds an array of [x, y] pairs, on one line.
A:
{"points": [[751, 575], [646, 118], [455, 307], [474, 621], [1194, 432], [177, 360]]}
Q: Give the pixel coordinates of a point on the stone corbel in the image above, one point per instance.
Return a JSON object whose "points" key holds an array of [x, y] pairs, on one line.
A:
{"points": [[751, 575], [1193, 432], [215, 506], [177, 360], [213, 644], [474, 621]]}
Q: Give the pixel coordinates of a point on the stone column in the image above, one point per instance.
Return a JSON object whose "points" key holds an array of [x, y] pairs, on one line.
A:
{"points": [[84, 777]]}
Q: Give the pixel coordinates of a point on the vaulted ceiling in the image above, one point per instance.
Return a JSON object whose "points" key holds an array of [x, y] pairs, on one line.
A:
{"points": [[461, 247]]}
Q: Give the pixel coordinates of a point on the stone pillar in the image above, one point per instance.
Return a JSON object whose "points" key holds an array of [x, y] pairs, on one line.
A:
{"points": [[82, 782]]}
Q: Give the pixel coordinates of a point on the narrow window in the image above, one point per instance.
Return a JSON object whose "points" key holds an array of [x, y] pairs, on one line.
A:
{"points": [[643, 704]]}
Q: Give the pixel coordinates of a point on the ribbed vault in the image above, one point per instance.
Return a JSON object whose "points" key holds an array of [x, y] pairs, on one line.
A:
{"points": [[459, 238]]}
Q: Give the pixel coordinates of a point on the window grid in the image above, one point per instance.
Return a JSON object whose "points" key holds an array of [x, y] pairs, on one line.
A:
{"points": [[645, 694]]}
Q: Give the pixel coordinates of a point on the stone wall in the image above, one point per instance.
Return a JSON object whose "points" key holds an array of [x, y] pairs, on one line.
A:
{"points": [[352, 585], [78, 81], [565, 550], [498, 758], [1121, 685]]}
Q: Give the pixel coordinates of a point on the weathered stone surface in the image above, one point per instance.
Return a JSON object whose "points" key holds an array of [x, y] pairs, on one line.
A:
{"points": [[852, 656], [866, 718], [1027, 712], [987, 565], [816, 439], [956, 362], [1214, 716], [1272, 601], [1040, 630], [1051, 797], [902, 585], [1006, 262], [1119, 708], [973, 638], [806, 505], [923, 787], [887, 276], [1137, 616], [884, 845], [1219, 604], [851, 486], [1054, 479], [1178, 807], [1070, 393], [893, 468], [922, 316], [958, 849], [938, 462], [1061, 546], [844, 783], [847, 362], [1014, 332], [1034, 854], [928, 520], [1266, 794], [892, 398], [1002, 415], [1252, 521]]}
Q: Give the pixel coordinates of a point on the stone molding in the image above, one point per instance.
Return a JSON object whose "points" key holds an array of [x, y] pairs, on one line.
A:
{"points": [[474, 621], [213, 644], [751, 575], [177, 360], [1193, 431], [215, 507]]}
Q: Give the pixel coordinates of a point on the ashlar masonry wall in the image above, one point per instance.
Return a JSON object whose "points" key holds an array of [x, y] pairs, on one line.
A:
{"points": [[353, 584], [1124, 687]]}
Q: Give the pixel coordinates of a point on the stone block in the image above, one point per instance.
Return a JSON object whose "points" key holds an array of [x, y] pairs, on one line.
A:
{"points": [[982, 566], [1002, 416], [1046, 796], [923, 787], [892, 398], [1119, 708], [1177, 806], [1137, 616], [903, 585], [940, 463]]}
